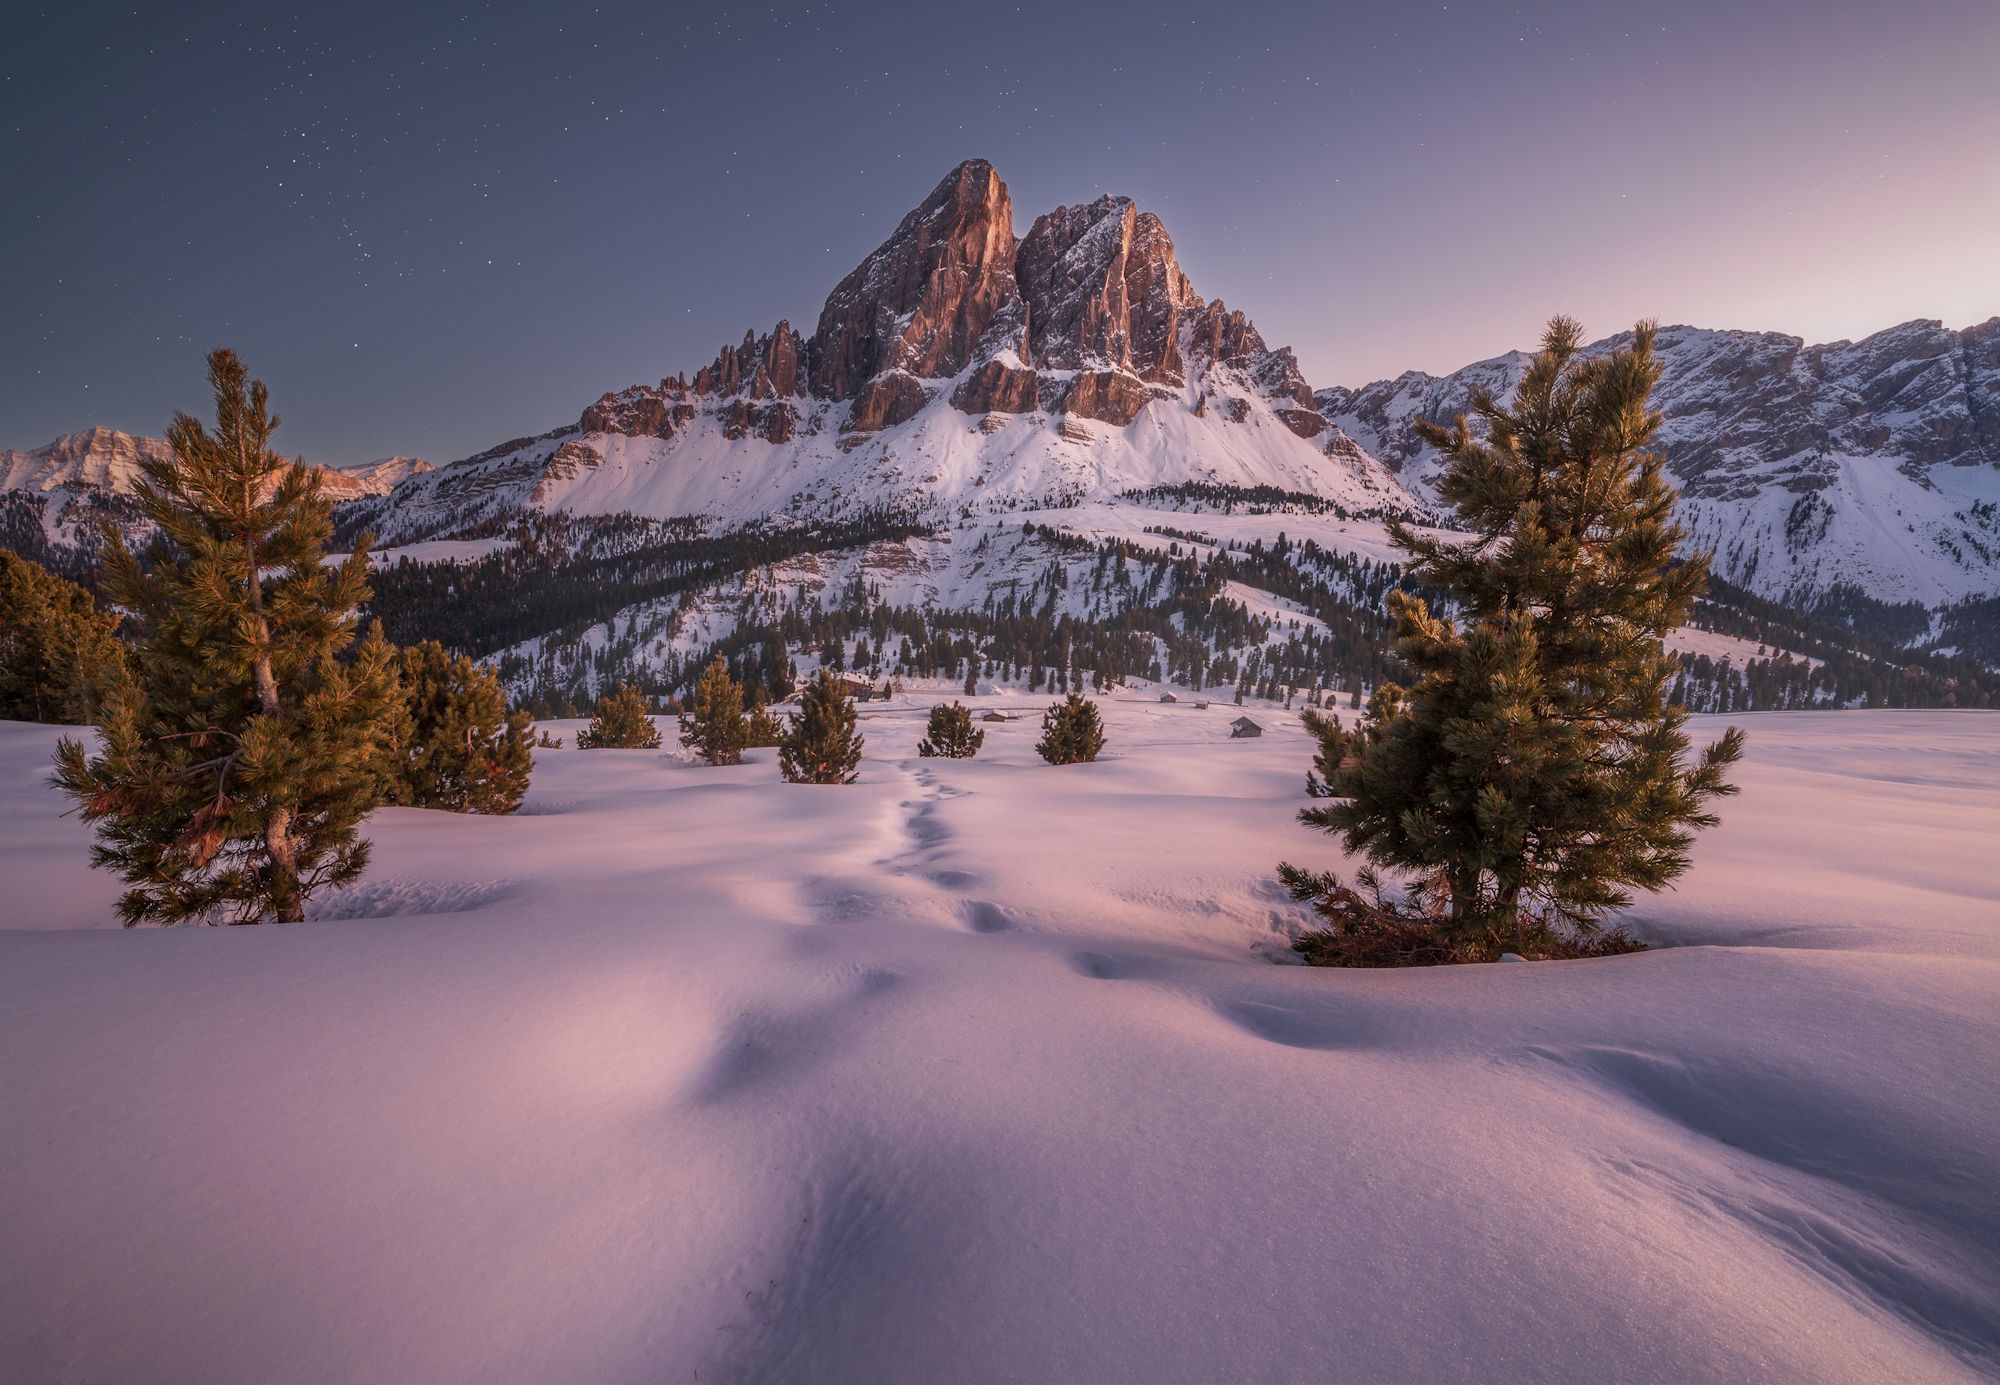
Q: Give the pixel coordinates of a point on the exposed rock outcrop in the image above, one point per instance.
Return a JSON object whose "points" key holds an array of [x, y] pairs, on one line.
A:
{"points": [[1305, 422], [1110, 396], [886, 400], [643, 411], [568, 461], [1000, 385], [340, 484], [765, 367], [749, 386]]}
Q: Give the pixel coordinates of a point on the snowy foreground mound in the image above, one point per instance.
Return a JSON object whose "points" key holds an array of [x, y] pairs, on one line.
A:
{"points": [[980, 1072]]}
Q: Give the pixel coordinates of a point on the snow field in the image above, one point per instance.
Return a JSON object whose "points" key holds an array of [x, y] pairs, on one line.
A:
{"points": [[979, 1071]]}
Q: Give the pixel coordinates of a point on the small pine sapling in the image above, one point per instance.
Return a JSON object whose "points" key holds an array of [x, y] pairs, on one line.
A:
{"points": [[951, 734], [823, 746], [763, 728], [620, 721], [712, 726], [1072, 731], [459, 748]]}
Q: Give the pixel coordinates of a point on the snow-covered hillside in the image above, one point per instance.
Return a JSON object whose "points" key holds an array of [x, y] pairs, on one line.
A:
{"points": [[980, 1071], [1043, 561], [1874, 464], [940, 464]]}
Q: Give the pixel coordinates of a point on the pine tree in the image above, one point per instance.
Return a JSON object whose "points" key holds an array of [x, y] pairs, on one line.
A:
{"points": [[620, 721], [460, 749], [972, 676], [763, 727], [712, 726], [240, 756], [951, 734], [1534, 774], [823, 746], [58, 655], [1072, 731]]}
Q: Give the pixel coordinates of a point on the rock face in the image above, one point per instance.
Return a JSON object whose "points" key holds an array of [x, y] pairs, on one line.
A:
{"points": [[890, 398], [924, 301], [565, 463], [1002, 385], [1090, 314], [1110, 396], [1103, 290], [750, 386], [643, 411]]}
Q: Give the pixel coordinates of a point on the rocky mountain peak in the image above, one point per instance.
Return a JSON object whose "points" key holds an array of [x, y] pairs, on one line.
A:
{"points": [[101, 457], [1103, 290], [1090, 314], [923, 302]]}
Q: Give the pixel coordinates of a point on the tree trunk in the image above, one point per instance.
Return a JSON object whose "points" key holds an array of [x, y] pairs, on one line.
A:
{"points": [[1507, 917], [1464, 898], [286, 900]]}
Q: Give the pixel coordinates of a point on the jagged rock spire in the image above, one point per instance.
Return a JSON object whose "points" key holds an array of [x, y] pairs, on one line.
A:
{"points": [[924, 300]]}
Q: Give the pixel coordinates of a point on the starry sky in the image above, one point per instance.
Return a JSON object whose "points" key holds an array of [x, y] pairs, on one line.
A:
{"points": [[431, 228]]}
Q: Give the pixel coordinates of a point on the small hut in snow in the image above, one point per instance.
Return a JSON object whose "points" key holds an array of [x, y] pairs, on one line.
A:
{"points": [[997, 715], [1243, 727], [1168, 697]]}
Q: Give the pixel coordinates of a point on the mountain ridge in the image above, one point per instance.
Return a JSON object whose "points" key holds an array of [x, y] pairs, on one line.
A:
{"points": [[961, 371], [110, 458]]}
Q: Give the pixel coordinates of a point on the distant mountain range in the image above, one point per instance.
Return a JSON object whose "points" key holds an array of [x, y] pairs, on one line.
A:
{"points": [[1874, 464], [962, 378], [962, 370], [109, 459], [52, 497]]}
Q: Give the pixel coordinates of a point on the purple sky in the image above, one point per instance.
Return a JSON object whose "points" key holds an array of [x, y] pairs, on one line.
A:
{"points": [[433, 231]]}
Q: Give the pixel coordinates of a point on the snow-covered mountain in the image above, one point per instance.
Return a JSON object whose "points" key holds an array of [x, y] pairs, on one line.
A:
{"points": [[961, 371], [958, 370], [70, 483], [101, 457], [1056, 427], [1874, 464], [110, 460]]}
